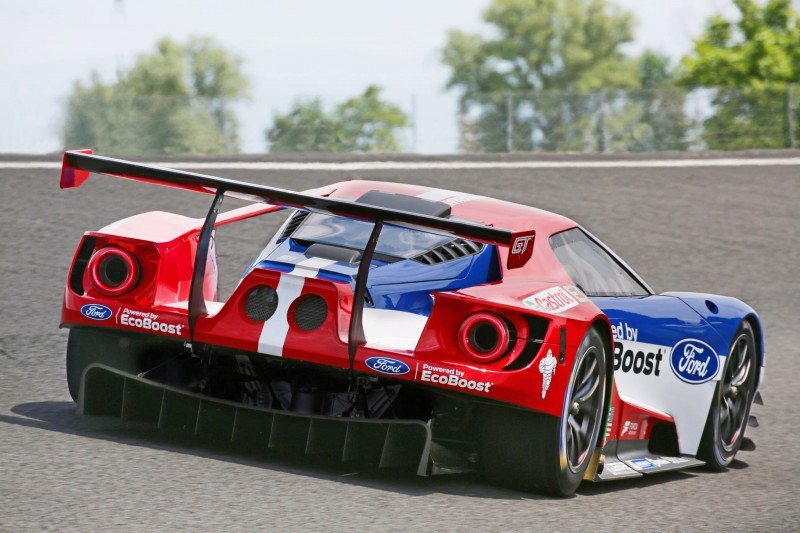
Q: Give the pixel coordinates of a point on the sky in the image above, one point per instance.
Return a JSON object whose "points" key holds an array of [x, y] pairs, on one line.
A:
{"points": [[303, 48]]}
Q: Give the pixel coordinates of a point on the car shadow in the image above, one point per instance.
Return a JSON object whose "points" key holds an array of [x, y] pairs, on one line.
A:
{"points": [[61, 417]]}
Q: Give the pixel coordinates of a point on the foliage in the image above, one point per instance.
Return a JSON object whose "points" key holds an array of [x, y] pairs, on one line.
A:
{"points": [[538, 47], [364, 123], [752, 61], [652, 118], [175, 100]]}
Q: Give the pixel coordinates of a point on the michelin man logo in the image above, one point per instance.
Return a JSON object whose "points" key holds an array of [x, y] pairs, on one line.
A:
{"points": [[547, 366]]}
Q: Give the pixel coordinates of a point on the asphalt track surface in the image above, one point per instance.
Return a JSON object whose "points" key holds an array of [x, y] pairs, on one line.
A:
{"points": [[727, 230]]}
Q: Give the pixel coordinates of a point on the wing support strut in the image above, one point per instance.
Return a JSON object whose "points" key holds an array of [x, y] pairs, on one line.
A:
{"points": [[356, 337], [197, 300]]}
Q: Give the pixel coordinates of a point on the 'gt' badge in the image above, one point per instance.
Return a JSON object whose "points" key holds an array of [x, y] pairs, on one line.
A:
{"points": [[521, 249]]}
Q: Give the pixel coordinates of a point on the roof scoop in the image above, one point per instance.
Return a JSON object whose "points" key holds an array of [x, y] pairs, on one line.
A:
{"points": [[403, 202]]}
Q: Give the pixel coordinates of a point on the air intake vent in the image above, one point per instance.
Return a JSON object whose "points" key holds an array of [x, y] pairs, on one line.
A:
{"points": [[310, 312], [261, 303], [449, 251], [294, 223]]}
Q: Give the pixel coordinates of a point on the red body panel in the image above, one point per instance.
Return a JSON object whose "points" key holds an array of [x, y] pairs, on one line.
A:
{"points": [[165, 245]]}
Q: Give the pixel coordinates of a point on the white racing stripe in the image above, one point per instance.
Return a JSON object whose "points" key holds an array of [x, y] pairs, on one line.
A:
{"points": [[387, 328], [273, 334], [309, 268], [437, 195], [448, 197], [441, 165]]}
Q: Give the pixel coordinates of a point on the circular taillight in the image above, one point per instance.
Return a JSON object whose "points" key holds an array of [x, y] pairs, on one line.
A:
{"points": [[310, 312], [113, 271], [484, 337], [261, 303]]}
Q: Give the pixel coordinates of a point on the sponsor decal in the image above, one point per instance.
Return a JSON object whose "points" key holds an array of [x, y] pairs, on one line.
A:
{"points": [[617, 469], [452, 377], [553, 300], [547, 366], [675, 460], [637, 361], [610, 422], [96, 312], [694, 361], [147, 321], [387, 365], [657, 462], [633, 427], [624, 332], [576, 293], [641, 464]]}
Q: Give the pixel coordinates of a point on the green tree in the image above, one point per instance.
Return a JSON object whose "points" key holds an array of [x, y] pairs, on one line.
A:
{"points": [[539, 47], [175, 100], [365, 123], [307, 127], [652, 117], [751, 62]]}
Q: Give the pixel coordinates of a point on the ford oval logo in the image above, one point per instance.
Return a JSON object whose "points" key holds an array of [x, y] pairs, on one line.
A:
{"points": [[694, 361], [96, 312], [387, 365]]}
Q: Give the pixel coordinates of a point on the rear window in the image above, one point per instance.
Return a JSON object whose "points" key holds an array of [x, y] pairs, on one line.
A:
{"points": [[394, 241], [592, 268]]}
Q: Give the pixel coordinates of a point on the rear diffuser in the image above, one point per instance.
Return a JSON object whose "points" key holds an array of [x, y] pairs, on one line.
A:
{"points": [[397, 444]]}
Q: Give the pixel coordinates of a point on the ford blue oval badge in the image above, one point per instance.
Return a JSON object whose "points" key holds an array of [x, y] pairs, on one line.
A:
{"points": [[96, 312], [694, 361], [387, 365]]}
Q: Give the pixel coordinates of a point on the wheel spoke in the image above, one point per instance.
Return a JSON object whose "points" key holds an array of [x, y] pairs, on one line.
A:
{"points": [[724, 412], [589, 372], [580, 438], [733, 413], [586, 391], [741, 375], [742, 363], [573, 424], [572, 450]]}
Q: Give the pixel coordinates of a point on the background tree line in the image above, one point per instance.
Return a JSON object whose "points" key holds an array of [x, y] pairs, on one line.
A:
{"points": [[546, 75]]}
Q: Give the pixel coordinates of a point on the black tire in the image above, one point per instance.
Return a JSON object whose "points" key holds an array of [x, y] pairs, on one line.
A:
{"points": [[124, 351], [540, 453], [733, 398]]}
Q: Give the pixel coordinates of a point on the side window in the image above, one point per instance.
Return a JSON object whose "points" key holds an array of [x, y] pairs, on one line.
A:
{"points": [[591, 267]]}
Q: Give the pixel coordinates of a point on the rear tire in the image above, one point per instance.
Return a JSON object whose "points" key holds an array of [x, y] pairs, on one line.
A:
{"points": [[540, 453], [733, 398]]}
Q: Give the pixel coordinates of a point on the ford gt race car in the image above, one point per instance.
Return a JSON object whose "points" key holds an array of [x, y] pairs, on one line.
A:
{"points": [[398, 326]]}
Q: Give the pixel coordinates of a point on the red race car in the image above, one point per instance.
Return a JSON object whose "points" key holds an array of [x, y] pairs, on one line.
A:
{"points": [[400, 326]]}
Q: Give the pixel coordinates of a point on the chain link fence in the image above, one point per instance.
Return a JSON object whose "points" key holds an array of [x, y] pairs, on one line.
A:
{"points": [[615, 121], [610, 121]]}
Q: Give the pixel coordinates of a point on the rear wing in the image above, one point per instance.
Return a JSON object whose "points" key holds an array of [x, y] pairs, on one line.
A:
{"points": [[77, 165]]}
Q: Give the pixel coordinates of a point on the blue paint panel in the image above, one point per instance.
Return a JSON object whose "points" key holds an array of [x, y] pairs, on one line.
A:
{"points": [[724, 314], [671, 318], [275, 265], [658, 319], [403, 285], [406, 285]]}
